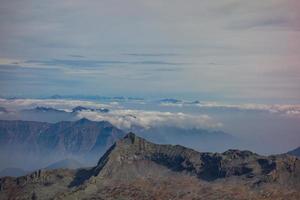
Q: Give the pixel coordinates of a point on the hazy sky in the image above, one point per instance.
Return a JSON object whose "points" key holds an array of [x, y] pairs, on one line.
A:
{"points": [[229, 50]]}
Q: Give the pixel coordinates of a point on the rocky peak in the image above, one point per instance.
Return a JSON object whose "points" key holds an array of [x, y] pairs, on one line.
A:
{"points": [[79, 108], [86, 122], [234, 154], [46, 109], [130, 137], [83, 121], [134, 167]]}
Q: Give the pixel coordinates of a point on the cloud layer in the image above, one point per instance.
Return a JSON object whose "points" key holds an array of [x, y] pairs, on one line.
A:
{"points": [[127, 119], [283, 109], [117, 115], [18, 104]]}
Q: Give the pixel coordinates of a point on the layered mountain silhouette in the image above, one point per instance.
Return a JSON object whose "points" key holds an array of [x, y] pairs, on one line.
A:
{"points": [[78, 137], [30, 145], [134, 168], [44, 109], [47, 114], [81, 108]]}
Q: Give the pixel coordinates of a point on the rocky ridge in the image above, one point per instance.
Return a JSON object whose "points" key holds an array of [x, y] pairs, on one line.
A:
{"points": [[134, 168]]}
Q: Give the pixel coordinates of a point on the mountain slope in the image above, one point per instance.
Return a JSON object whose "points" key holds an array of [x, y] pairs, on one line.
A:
{"points": [[31, 145], [134, 168], [81, 136], [206, 166], [44, 114], [295, 152]]}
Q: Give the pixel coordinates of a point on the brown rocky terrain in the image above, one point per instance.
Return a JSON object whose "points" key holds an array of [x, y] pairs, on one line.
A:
{"points": [[134, 168]]}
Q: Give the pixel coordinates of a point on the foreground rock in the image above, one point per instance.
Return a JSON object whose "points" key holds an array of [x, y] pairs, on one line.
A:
{"points": [[134, 168]]}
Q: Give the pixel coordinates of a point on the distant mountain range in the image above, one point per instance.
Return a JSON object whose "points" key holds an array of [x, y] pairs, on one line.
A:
{"points": [[77, 137], [134, 168], [46, 114], [65, 164], [94, 97], [81, 108], [13, 172], [41, 109], [44, 109], [61, 164], [42, 141], [200, 139]]}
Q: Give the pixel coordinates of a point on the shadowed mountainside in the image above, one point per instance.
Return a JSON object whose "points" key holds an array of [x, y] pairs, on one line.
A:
{"points": [[31, 145], [78, 137]]}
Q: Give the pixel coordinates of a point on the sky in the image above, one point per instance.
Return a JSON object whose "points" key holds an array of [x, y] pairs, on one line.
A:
{"points": [[227, 51]]}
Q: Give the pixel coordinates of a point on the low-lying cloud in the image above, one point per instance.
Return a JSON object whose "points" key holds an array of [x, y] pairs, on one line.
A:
{"points": [[117, 115], [282, 109], [63, 104], [127, 119]]}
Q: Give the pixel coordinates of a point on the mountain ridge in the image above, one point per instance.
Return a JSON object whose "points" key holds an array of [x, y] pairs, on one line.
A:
{"points": [[133, 168], [180, 158], [32, 140]]}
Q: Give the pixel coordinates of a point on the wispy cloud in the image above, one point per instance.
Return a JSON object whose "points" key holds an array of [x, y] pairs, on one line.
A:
{"points": [[98, 63], [282, 109], [267, 22], [75, 63], [152, 54], [76, 56]]}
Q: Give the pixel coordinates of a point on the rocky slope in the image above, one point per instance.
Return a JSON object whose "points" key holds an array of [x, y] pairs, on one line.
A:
{"points": [[134, 168]]}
